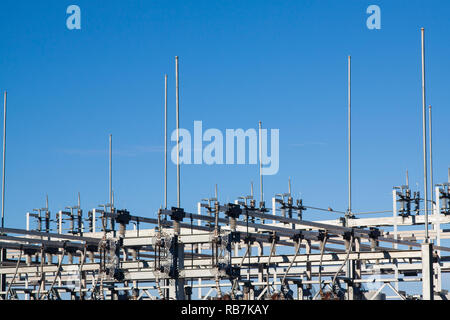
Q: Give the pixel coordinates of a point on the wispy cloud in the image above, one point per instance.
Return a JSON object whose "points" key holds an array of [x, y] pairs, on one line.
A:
{"points": [[132, 151], [305, 144]]}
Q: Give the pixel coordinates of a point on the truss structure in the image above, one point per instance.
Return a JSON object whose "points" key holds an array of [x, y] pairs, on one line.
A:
{"points": [[229, 251]]}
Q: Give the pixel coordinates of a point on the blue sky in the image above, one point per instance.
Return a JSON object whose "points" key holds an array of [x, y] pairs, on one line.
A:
{"points": [[281, 62]]}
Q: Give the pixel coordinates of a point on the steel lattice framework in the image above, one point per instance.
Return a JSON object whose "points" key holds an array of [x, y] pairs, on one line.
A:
{"points": [[228, 251]]}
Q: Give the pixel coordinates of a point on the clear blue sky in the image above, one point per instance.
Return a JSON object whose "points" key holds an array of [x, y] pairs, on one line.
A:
{"points": [[281, 62]]}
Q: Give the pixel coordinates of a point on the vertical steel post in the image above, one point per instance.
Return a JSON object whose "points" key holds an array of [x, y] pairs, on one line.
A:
{"points": [[431, 159], [60, 213], [407, 179], [349, 138], [437, 219], [260, 164], [427, 271], [394, 217], [424, 135], [178, 131], [4, 161], [349, 264], [3, 251], [165, 141], [110, 170]]}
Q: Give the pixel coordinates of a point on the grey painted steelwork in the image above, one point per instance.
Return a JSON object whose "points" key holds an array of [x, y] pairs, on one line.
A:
{"points": [[233, 251], [4, 161], [2, 251], [165, 141], [177, 92], [424, 135]]}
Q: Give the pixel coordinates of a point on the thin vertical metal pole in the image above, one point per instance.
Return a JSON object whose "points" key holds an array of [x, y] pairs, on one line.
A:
{"points": [[431, 159], [407, 179], [349, 138], [47, 216], [3, 251], [4, 162], [165, 141], [178, 131], [110, 170], [424, 136], [260, 161], [349, 264]]}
